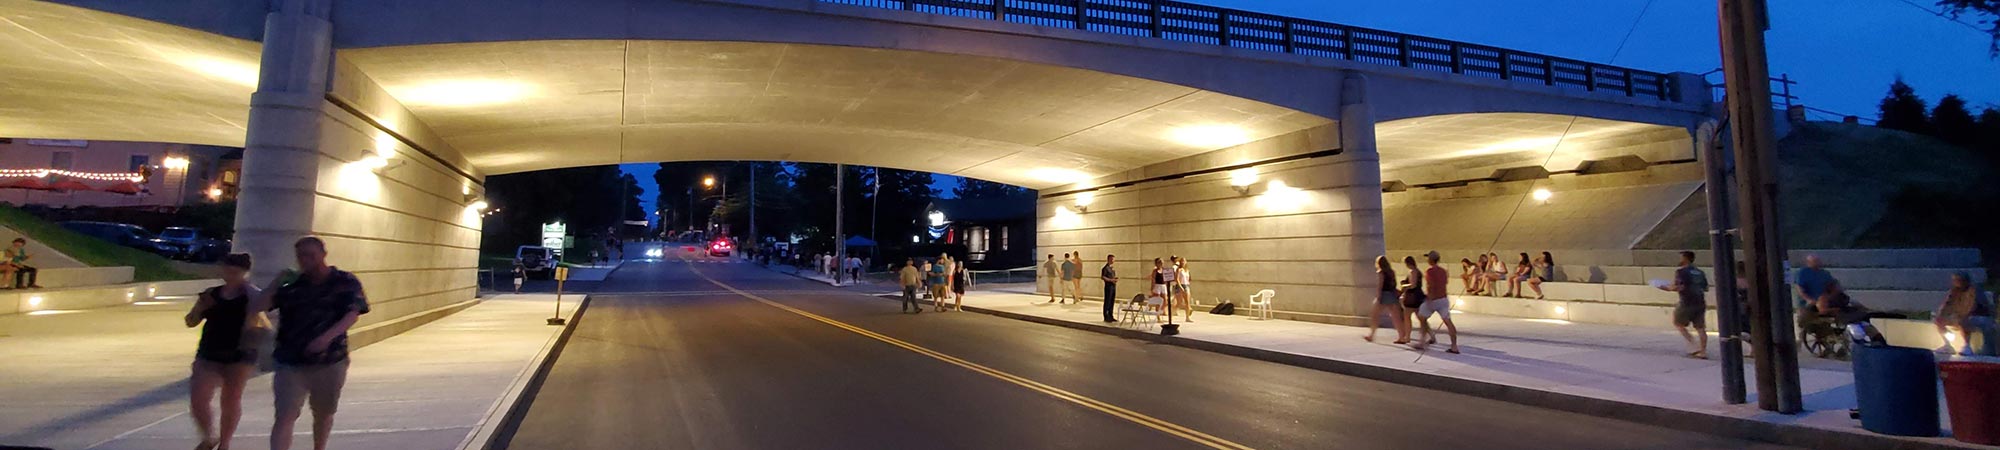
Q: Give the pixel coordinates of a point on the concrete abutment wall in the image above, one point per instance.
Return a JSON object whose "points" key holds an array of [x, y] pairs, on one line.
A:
{"points": [[1308, 226]]}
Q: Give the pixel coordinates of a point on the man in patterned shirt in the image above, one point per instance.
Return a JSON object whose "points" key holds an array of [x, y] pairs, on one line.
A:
{"points": [[316, 306]]}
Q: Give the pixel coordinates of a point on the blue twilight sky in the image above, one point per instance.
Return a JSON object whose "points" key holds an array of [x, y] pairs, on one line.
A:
{"points": [[1844, 53]]}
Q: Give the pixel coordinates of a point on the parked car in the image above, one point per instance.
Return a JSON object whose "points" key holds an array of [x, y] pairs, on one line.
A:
{"points": [[539, 262], [193, 245], [125, 234]]}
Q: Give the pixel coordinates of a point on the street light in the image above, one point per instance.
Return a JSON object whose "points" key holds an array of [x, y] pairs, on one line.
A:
{"points": [[708, 182]]}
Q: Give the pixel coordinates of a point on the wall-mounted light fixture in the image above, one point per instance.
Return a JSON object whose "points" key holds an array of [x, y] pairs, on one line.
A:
{"points": [[380, 162], [1083, 201], [174, 163], [1242, 180], [1542, 195]]}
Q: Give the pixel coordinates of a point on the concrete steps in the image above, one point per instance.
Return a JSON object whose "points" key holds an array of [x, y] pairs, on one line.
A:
{"points": [[33, 301]]}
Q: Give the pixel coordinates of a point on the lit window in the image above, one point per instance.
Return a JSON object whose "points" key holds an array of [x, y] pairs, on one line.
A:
{"points": [[138, 161], [975, 240]]}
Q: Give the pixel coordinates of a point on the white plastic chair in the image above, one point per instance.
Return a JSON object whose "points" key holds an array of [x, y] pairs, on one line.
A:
{"points": [[1261, 303]]}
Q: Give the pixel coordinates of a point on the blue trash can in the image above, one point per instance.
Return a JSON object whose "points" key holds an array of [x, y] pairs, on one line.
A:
{"points": [[1897, 389]]}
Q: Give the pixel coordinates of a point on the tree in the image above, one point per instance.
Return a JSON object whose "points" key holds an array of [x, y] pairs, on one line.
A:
{"points": [[1953, 122], [973, 188], [1903, 110], [1988, 9], [584, 198], [1989, 132]]}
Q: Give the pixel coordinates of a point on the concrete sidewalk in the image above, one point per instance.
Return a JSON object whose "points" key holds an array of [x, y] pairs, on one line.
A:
{"points": [[116, 378], [1625, 372]]}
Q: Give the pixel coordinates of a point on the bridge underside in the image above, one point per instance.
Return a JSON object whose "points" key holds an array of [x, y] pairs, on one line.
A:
{"points": [[458, 112]]}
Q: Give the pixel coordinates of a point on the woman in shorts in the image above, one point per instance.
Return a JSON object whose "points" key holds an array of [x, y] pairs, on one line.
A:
{"points": [[224, 359], [1386, 302], [958, 281], [1522, 270]]}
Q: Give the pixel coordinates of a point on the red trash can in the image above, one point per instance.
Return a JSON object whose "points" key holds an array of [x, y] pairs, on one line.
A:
{"points": [[1972, 394]]}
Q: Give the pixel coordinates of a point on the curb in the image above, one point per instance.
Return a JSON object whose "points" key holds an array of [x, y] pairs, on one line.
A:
{"points": [[1731, 427], [493, 435]]}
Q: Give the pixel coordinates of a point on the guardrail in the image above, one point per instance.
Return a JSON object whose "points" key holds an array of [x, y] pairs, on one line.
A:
{"points": [[1187, 22]]}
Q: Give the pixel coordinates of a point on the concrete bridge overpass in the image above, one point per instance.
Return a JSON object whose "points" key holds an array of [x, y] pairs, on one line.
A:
{"points": [[374, 122]]}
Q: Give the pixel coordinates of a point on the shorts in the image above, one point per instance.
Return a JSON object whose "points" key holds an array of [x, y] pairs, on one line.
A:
{"points": [[1159, 290], [294, 386], [1176, 288], [1689, 315], [1439, 306], [1387, 298]]}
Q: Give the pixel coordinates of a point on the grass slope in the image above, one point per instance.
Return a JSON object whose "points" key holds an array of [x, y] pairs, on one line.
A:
{"points": [[90, 250], [1838, 187]]}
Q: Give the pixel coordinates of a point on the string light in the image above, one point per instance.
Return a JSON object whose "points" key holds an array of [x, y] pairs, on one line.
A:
{"points": [[94, 176]]}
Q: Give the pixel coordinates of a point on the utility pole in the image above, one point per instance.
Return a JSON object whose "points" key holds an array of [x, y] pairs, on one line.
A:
{"points": [[622, 195], [1745, 67], [1721, 236], [874, 215], [839, 216]]}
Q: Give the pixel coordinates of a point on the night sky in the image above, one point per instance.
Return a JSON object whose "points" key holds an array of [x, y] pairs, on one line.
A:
{"points": [[1844, 53]]}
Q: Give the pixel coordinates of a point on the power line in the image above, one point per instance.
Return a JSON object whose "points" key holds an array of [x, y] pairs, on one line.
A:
{"points": [[1630, 30], [1947, 15]]}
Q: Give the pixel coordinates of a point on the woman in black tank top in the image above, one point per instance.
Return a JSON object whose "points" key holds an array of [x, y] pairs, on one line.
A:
{"points": [[224, 359]]}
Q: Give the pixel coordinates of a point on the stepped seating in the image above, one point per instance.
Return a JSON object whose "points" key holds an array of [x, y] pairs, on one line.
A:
{"points": [[1613, 286]]}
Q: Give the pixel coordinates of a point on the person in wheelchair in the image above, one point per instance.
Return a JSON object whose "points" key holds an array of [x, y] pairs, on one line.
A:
{"points": [[1830, 315]]}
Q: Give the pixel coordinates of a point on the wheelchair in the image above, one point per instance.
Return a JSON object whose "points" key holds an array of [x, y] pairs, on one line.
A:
{"points": [[1825, 336]]}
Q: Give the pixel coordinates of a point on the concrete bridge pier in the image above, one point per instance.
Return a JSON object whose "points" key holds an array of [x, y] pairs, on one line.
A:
{"points": [[281, 151], [1362, 164]]}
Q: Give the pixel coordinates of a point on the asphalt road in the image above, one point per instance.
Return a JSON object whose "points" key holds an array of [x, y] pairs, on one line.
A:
{"points": [[665, 358]]}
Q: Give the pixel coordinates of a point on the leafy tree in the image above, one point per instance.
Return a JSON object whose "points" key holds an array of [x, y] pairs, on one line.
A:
{"points": [[1989, 10], [1903, 110], [1953, 122], [973, 188], [1989, 132], [585, 198]]}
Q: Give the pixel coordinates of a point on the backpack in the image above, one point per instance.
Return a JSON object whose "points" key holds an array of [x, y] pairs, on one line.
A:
{"points": [[1224, 309]]}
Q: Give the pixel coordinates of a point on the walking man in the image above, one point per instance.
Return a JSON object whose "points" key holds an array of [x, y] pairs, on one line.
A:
{"points": [[911, 279], [1069, 273], [1109, 275], [1691, 283], [315, 305], [1436, 301], [1051, 271]]}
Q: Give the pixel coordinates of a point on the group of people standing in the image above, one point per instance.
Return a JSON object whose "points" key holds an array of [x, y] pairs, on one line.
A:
{"points": [[1485, 275], [942, 278], [316, 305], [1170, 283], [849, 268], [1415, 297]]}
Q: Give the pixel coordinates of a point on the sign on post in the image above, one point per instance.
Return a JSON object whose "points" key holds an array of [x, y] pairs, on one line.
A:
{"points": [[553, 237]]}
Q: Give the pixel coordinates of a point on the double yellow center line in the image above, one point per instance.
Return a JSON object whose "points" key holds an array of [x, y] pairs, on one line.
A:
{"points": [[1052, 391]]}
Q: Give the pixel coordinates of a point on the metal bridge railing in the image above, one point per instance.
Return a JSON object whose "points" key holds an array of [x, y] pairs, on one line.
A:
{"points": [[1187, 22]]}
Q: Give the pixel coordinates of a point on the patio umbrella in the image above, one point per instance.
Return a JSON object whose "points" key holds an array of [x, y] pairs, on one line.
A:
{"points": [[124, 187], [33, 183], [69, 185]]}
